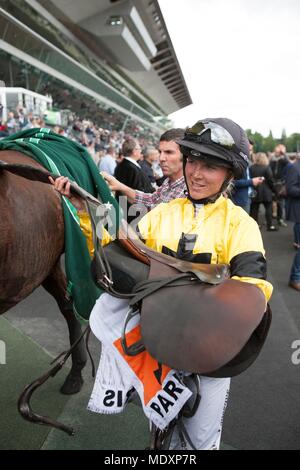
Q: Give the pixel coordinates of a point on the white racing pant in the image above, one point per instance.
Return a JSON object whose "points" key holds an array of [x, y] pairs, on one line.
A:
{"points": [[205, 427]]}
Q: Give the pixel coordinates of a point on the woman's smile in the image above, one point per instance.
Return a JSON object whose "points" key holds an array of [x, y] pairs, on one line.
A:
{"points": [[203, 179]]}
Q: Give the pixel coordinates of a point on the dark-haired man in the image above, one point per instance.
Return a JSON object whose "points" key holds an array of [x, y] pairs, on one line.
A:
{"points": [[173, 186]]}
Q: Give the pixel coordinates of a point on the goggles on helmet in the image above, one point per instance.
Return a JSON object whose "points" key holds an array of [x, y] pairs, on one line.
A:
{"points": [[218, 134]]}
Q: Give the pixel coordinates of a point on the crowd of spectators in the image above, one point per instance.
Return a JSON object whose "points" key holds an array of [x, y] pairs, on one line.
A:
{"points": [[96, 139], [264, 184]]}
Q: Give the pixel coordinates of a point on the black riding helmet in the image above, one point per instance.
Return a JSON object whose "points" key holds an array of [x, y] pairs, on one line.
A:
{"points": [[219, 141]]}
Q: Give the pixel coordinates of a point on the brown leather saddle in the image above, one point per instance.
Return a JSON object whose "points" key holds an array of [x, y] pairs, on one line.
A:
{"points": [[193, 316]]}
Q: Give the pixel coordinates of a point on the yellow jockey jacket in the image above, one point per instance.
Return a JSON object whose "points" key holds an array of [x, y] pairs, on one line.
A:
{"points": [[219, 232]]}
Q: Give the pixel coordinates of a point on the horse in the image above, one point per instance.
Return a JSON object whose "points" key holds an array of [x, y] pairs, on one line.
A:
{"points": [[31, 245]]}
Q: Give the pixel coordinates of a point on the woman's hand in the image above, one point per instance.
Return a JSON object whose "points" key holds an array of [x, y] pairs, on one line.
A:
{"points": [[62, 185]]}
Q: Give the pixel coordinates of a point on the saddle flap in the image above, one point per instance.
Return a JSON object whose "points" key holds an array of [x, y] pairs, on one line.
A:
{"points": [[249, 352], [199, 327]]}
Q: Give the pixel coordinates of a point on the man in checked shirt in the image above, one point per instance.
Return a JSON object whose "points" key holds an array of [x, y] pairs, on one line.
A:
{"points": [[170, 159]]}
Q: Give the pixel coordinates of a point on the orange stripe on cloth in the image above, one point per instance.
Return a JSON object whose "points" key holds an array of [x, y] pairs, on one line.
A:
{"points": [[143, 365]]}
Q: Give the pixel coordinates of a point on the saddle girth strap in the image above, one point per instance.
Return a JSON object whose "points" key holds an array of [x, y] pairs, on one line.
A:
{"points": [[145, 288]]}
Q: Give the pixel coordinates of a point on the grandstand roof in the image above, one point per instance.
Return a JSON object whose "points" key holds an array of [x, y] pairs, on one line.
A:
{"points": [[131, 37]]}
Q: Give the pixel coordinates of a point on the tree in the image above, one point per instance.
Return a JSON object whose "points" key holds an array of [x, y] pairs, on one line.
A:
{"points": [[269, 143], [284, 137]]}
